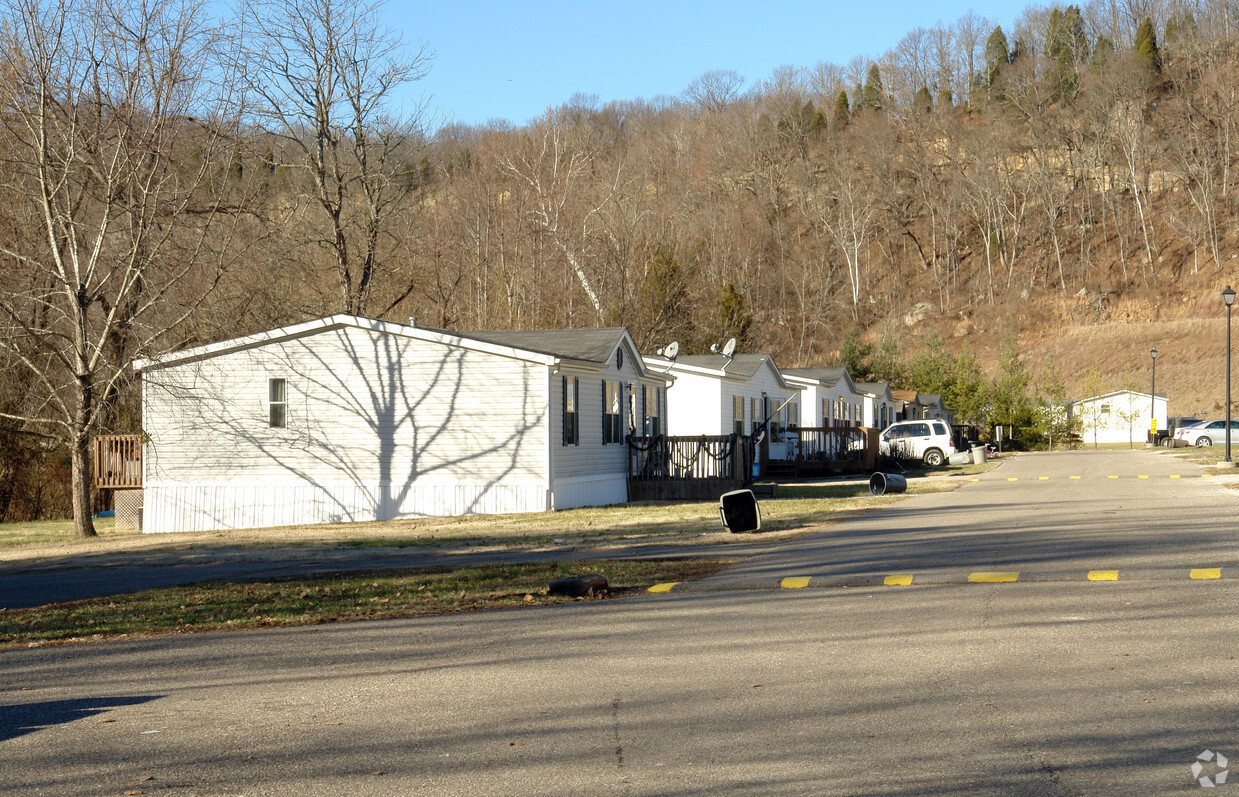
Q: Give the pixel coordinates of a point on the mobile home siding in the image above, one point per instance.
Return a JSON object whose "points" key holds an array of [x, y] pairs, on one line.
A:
{"points": [[591, 473], [377, 426]]}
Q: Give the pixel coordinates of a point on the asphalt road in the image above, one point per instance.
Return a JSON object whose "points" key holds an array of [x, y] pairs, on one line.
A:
{"points": [[1061, 686]]}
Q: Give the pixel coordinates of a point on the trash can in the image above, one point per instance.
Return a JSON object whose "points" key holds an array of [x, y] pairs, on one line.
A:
{"points": [[883, 483], [960, 458], [739, 511], [978, 455]]}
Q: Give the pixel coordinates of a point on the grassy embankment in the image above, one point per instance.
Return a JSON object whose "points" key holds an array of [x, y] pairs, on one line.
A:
{"points": [[406, 593]]}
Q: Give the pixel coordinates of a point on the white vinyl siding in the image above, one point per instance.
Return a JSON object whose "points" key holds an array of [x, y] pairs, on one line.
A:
{"points": [[371, 416]]}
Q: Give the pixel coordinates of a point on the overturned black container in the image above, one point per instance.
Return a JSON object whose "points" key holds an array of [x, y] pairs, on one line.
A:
{"points": [[884, 483], [587, 586], [739, 511]]}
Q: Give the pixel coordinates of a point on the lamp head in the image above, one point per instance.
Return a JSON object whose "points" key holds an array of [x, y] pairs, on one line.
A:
{"points": [[1228, 296], [1153, 352]]}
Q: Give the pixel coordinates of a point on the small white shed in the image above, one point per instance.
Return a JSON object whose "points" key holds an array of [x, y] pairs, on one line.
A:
{"points": [[1123, 416], [347, 419]]}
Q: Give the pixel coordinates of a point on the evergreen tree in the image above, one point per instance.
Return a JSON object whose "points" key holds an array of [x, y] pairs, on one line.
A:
{"points": [[1011, 405], [731, 318], [945, 100], [854, 356], [922, 101], [873, 93], [967, 391], [1103, 51], [662, 311], [1146, 50], [885, 366], [997, 56], [930, 371], [843, 113], [1064, 42]]}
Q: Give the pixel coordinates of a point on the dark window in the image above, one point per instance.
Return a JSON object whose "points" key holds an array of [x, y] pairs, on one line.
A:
{"points": [[612, 413], [572, 400]]}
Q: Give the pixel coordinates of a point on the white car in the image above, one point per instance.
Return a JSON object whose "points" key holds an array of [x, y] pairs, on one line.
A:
{"points": [[928, 440], [1206, 433]]}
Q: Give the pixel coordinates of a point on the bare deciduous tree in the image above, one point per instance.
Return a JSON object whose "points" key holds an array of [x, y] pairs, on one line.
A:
{"points": [[118, 155], [321, 75]]}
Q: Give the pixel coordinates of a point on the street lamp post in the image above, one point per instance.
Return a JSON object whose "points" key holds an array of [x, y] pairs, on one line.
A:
{"points": [[1153, 400], [1228, 297]]}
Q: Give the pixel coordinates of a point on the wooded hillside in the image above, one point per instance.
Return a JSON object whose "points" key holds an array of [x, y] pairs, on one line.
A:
{"points": [[171, 180]]}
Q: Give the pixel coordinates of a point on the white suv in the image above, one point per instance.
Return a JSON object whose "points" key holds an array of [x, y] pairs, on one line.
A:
{"points": [[928, 440]]}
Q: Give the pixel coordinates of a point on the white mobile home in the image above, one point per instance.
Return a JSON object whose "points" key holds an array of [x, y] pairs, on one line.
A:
{"points": [[828, 395], [879, 405], [715, 395], [348, 418]]}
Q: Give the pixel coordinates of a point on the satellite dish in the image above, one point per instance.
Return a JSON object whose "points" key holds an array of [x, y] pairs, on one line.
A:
{"points": [[673, 348], [729, 348]]}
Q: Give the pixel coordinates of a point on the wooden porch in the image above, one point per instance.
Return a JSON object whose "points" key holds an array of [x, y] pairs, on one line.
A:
{"points": [[118, 461], [701, 468], [117, 466], [812, 452]]}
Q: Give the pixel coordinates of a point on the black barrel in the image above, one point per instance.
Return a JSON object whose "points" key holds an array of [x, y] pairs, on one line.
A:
{"points": [[883, 483]]}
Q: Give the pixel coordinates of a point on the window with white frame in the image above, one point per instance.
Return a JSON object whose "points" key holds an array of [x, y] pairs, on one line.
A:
{"points": [[277, 403], [737, 414], [612, 413], [756, 416], [572, 403]]}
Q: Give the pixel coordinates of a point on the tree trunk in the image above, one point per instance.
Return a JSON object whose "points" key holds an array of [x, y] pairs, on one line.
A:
{"points": [[83, 525]]}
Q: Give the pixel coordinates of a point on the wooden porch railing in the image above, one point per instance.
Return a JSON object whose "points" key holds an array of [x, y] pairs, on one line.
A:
{"points": [[829, 443], [687, 468], [118, 461]]}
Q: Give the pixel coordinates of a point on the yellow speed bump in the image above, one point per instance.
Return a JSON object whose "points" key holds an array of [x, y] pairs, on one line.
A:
{"points": [[1142, 476], [1202, 573], [1077, 478], [797, 582], [664, 587], [1013, 478], [993, 578], [1112, 477], [1103, 575], [900, 580], [1175, 476]]}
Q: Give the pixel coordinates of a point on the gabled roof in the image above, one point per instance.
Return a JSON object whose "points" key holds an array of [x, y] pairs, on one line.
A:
{"points": [[1119, 393], [586, 345], [739, 366], [875, 388], [825, 376], [545, 347]]}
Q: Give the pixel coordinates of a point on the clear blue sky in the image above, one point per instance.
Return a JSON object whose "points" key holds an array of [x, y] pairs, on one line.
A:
{"points": [[510, 60]]}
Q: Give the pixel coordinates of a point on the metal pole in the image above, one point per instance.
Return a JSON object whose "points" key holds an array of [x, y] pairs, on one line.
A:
{"points": [[1228, 379], [1153, 403]]}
